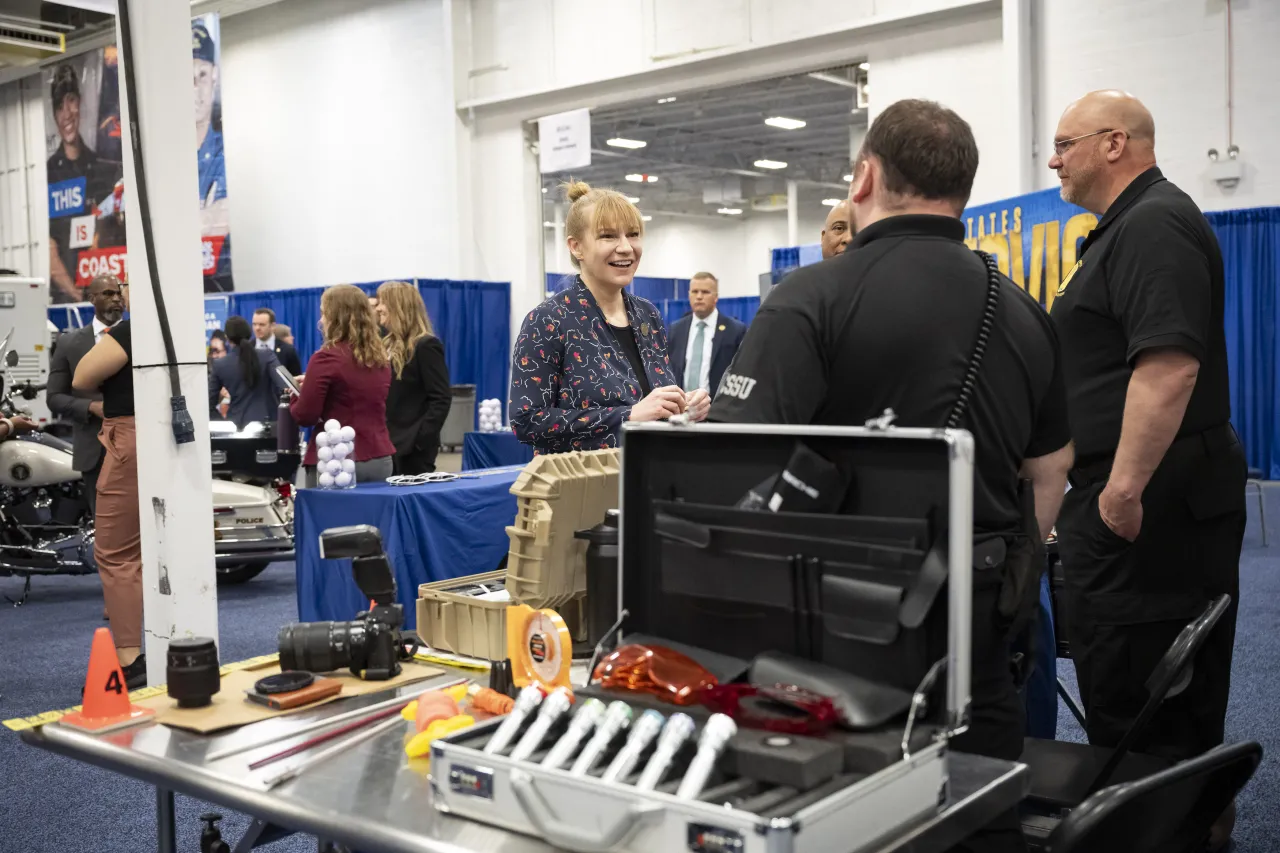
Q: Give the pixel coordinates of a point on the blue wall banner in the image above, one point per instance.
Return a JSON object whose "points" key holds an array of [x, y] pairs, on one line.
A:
{"points": [[1035, 238], [215, 314]]}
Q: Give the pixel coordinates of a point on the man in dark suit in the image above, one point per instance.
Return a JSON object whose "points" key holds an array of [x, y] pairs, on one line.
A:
{"points": [[264, 329], [84, 409], [704, 342]]}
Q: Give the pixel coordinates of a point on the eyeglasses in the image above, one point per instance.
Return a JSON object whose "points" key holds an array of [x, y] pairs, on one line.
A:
{"points": [[1063, 146]]}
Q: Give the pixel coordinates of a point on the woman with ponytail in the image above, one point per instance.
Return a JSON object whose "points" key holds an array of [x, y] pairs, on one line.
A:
{"points": [[594, 356], [419, 399], [249, 376]]}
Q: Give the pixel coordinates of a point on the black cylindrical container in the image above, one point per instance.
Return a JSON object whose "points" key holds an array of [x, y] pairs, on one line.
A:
{"points": [[286, 427], [602, 576], [192, 671]]}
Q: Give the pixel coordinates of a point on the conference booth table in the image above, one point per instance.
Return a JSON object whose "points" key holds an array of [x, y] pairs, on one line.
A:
{"points": [[431, 532], [493, 450]]}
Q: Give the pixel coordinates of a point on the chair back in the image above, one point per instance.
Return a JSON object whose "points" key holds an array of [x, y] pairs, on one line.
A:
{"points": [[1170, 677], [1167, 812]]}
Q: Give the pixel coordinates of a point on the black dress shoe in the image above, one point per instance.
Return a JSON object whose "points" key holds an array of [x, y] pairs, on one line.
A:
{"points": [[135, 674]]}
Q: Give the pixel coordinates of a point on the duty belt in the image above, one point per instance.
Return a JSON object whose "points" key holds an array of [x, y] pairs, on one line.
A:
{"points": [[1208, 442]]}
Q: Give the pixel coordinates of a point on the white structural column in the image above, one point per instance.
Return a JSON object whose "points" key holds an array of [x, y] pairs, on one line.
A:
{"points": [[793, 214], [1017, 46], [174, 481]]}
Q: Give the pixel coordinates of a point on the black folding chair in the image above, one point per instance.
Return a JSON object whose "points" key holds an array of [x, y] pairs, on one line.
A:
{"points": [[1064, 774], [1169, 812]]}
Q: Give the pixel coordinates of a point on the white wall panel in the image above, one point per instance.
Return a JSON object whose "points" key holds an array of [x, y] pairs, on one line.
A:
{"points": [[1172, 55], [24, 213], [341, 158]]}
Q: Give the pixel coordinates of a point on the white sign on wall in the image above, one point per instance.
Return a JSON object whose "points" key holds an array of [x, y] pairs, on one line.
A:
{"points": [[82, 228], [564, 141]]}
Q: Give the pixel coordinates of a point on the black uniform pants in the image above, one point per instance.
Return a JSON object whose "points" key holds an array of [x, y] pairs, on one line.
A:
{"points": [[996, 713], [1127, 601]]}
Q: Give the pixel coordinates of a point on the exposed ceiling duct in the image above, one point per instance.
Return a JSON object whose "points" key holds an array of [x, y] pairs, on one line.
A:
{"points": [[24, 41]]}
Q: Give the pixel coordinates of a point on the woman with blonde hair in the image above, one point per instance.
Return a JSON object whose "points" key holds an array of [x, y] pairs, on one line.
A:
{"points": [[347, 380], [419, 399], [595, 356]]}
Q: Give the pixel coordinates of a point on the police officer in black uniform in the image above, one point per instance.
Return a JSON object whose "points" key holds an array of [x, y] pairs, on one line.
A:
{"points": [[1152, 527], [892, 323]]}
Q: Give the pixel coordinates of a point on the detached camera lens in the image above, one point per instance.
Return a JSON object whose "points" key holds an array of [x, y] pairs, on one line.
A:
{"points": [[192, 671]]}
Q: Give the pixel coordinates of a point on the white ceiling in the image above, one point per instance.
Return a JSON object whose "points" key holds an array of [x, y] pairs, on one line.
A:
{"points": [[711, 139]]}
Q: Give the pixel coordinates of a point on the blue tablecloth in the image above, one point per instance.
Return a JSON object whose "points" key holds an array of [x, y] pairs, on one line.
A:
{"points": [[492, 450], [431, 532]]}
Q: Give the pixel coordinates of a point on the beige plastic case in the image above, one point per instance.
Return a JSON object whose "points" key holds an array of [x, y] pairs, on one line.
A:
{"points": [[556, 496]]}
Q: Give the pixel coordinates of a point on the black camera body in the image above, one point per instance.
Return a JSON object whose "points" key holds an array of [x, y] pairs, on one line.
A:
{"points": [[372, 645]]}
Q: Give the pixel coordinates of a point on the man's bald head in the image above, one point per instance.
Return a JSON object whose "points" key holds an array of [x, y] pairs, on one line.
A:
{"points": [[106, 292], [837, 231], [1103, 141]]}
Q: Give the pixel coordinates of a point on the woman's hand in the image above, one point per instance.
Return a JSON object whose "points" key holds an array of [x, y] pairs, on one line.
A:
{"points": [[697, 405], [661, 404]]}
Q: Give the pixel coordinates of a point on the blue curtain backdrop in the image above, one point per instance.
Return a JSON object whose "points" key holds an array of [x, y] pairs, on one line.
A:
{"points": [[738, 307], [1250, 241], [471, 318], [654, 289]]}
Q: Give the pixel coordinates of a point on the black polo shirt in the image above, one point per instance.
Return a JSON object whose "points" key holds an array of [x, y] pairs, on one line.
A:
{"points": [[1150, 275], [891, 323]]}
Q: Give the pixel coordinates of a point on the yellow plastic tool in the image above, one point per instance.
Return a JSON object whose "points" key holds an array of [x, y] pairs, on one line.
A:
{"points": [[420, 744], [539, 646]]}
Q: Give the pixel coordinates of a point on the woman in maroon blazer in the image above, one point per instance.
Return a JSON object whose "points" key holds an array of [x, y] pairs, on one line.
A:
{"points": [[347, 380]]}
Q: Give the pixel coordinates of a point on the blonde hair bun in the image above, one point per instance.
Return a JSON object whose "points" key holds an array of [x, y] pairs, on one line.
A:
{"points": [[576, 190]]}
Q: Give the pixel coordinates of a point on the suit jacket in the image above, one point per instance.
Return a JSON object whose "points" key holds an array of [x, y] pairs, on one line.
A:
{"points": [[63, 400], [247, 404], [572, 386], [288, 356], [419, 400], [724, 346]]}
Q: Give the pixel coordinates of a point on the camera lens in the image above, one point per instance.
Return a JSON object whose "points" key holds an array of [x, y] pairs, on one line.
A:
{"points": [[321, 646], [191, 670]]}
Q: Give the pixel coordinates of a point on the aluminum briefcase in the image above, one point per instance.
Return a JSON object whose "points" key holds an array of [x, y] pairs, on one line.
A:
{"points": [[879, 587]]}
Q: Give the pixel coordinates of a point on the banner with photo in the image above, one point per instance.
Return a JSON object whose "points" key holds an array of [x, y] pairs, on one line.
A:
{"points": [[85, 173], [215, 236], [85, 169]]}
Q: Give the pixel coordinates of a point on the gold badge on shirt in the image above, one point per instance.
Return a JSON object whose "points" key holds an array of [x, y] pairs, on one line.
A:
{"points": [[720, 328], [644, 328], [1062, 287]]}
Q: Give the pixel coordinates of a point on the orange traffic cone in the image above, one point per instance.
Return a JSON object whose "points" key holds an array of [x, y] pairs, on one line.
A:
{"points": [[106, 698]]}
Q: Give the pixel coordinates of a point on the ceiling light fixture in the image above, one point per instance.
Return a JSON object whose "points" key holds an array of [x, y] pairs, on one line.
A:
{"points": [[544, 189], [848, 178], [619, 142], [645, 218], [634, 199], [730, 211], [667, 100], [832, 202], [784, 123], [770, 164], [642, 179], [864, 66], [548, 225]]}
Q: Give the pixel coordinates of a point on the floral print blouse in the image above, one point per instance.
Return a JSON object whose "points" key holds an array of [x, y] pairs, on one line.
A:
{"points": [[572, 386]]}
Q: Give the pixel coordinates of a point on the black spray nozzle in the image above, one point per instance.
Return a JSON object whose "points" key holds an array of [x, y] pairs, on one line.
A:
{"points": [[184, 431]]}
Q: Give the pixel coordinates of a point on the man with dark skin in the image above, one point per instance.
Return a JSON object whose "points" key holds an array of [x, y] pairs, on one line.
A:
{"points": [[1152, 528], [106, 292], [837, 231]]}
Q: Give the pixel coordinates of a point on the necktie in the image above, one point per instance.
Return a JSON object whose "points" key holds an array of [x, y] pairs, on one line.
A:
{"points": [[693, 378]]}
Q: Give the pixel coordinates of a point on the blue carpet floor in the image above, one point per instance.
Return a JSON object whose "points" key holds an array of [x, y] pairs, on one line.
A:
{"points": [[56, 804]]}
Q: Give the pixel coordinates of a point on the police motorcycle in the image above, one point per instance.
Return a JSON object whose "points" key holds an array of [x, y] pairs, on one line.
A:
{"points": [[46, 527]]}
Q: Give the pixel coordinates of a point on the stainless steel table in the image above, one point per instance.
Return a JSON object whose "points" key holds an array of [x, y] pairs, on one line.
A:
{"points": [[371, 798]]}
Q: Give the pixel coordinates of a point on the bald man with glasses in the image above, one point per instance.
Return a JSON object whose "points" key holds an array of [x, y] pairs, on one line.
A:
{"points": [[1152, 528]]}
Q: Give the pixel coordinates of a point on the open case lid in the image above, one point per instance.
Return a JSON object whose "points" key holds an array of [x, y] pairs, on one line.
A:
{"points": [[856, 589]]}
